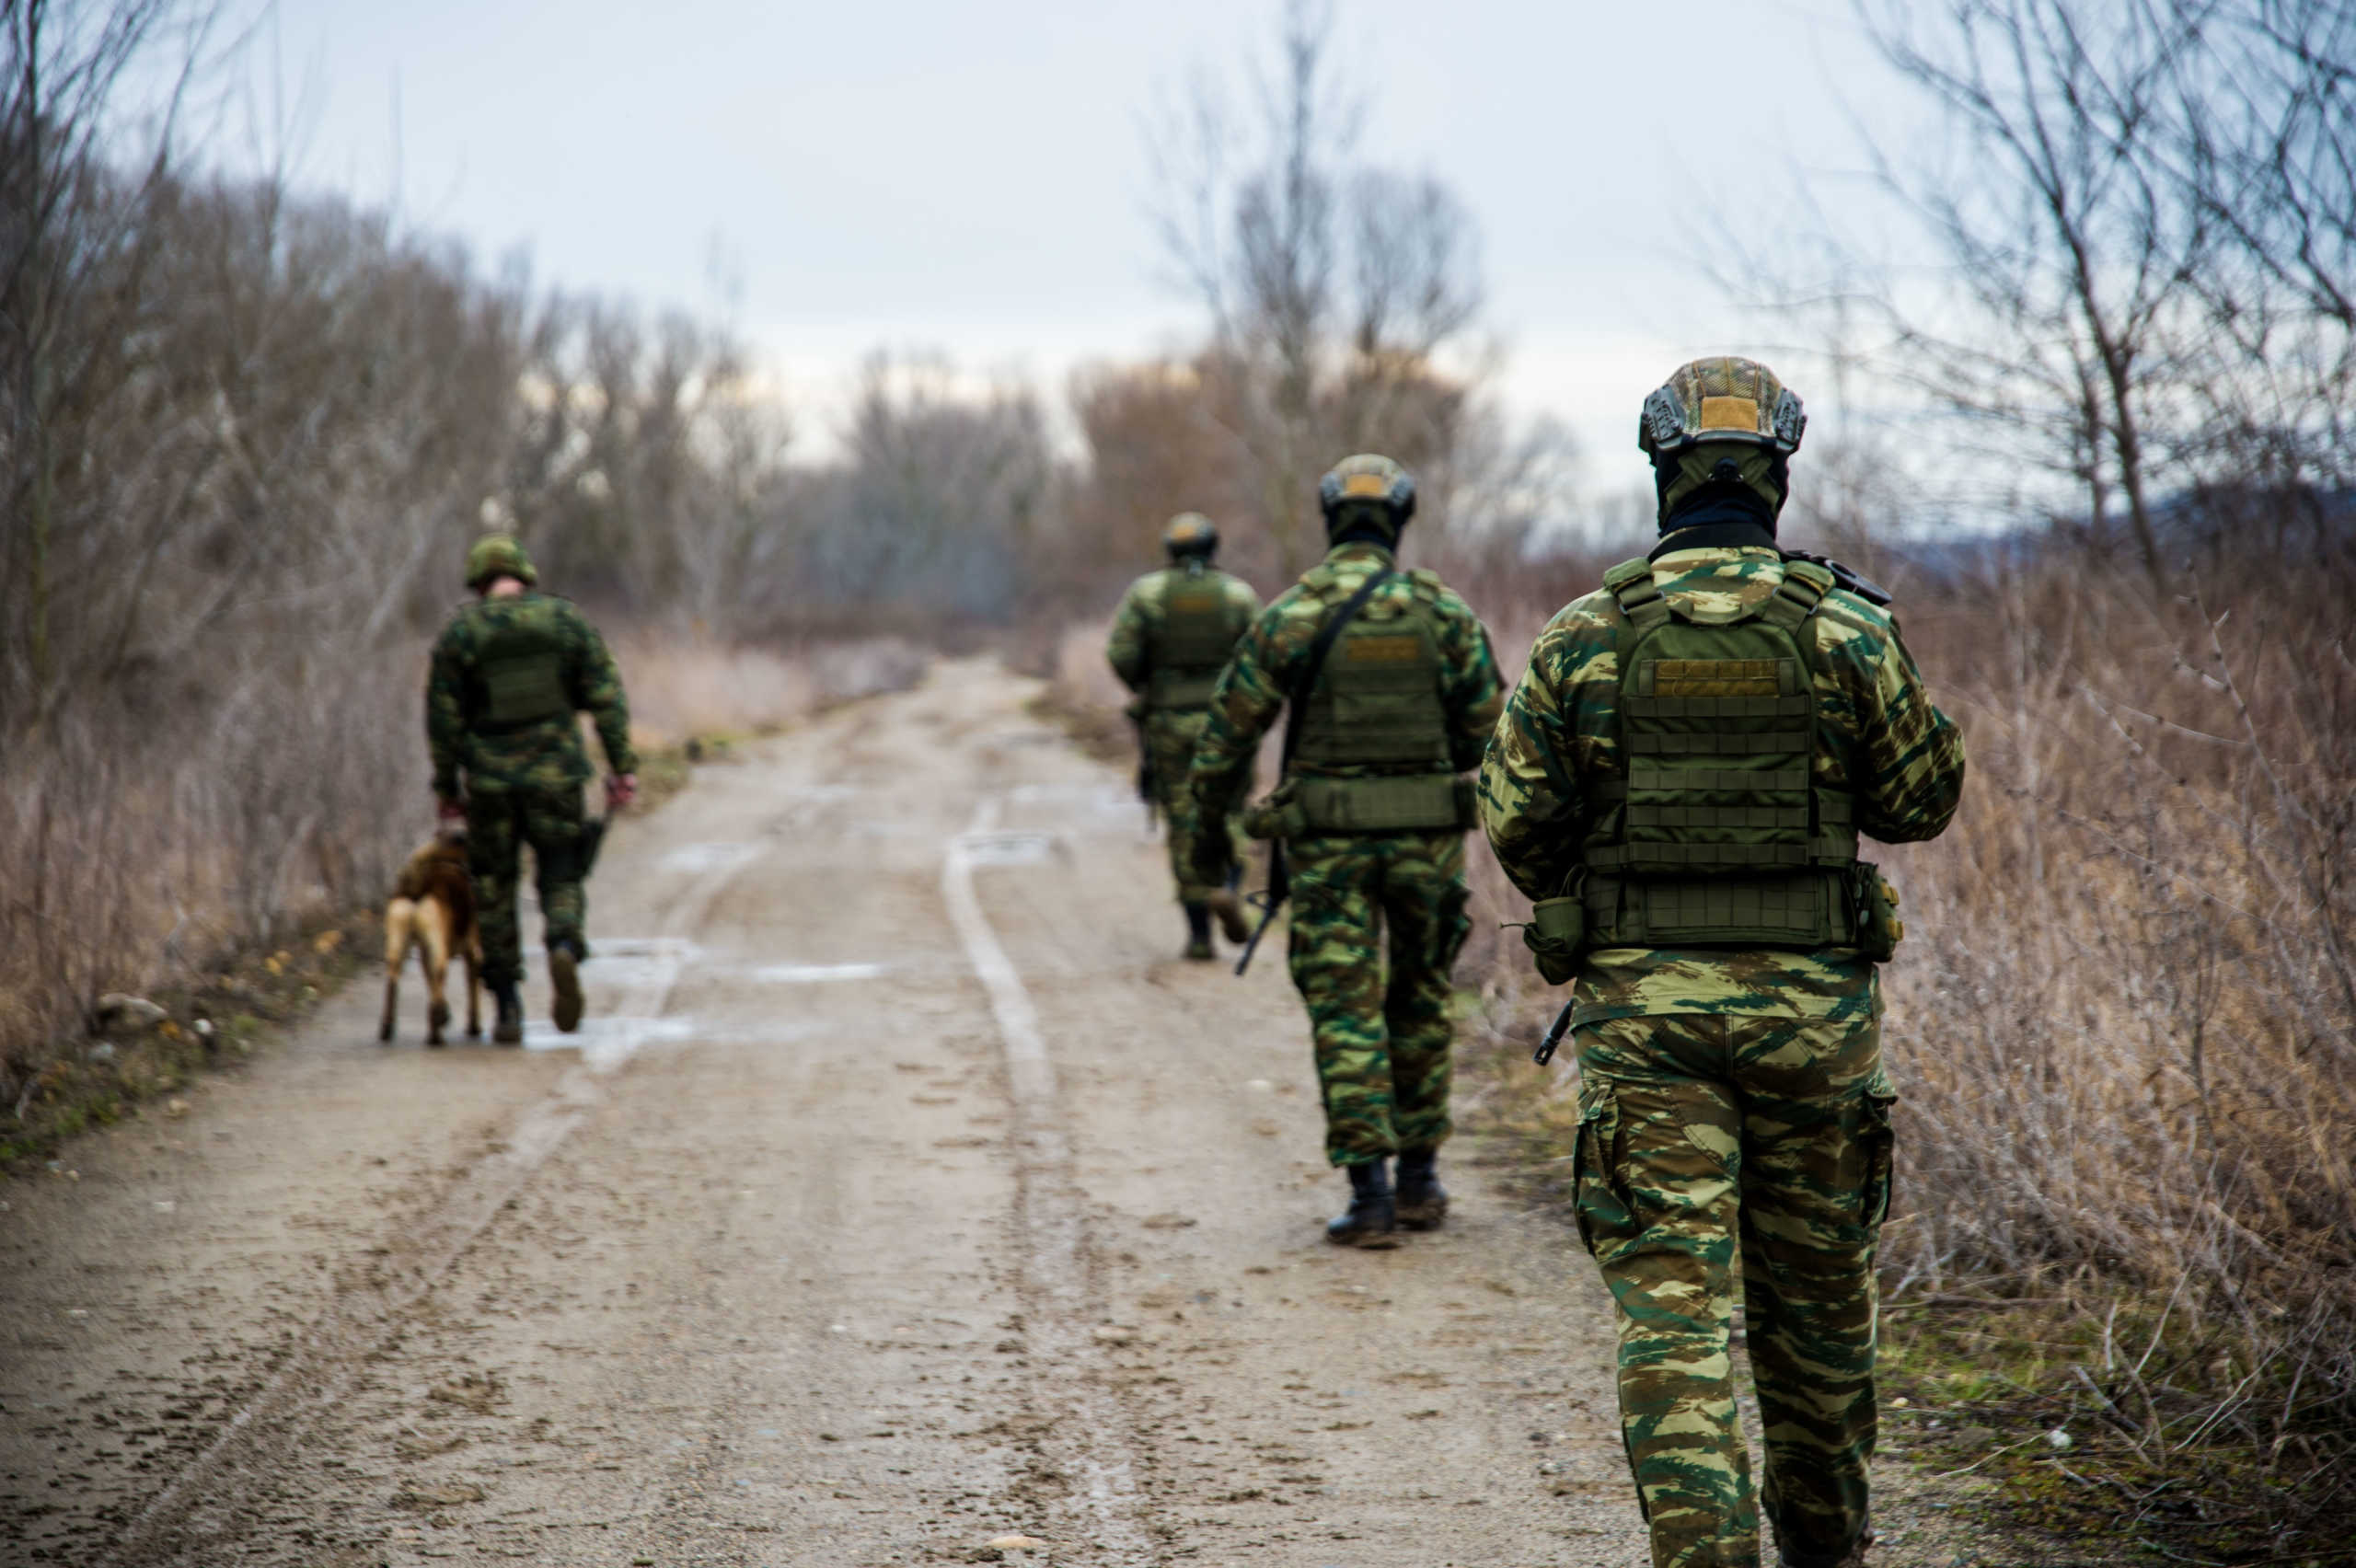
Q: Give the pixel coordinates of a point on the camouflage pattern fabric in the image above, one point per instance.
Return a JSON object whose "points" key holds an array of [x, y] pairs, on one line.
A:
{"points": [[1169, 734], [1137, 623], [1380, 1032], [1730, 1097], [1170, 737], [1881, 739], [500, 823], [1382, 1042], [545, 756], [1699, 1133]]}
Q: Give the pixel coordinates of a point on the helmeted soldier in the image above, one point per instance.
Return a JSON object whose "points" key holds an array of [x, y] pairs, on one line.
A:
{"points": [[1681, 779], [1171, 637], [1393, 690], [509, 673]]}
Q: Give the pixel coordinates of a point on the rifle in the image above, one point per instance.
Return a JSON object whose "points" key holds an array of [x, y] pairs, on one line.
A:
{"points": [[1545, 1052], [1146, 791], [1296, 709]]}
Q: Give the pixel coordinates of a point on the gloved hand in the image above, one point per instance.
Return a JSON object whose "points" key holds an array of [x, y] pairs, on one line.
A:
{"points": [[621, 788]]}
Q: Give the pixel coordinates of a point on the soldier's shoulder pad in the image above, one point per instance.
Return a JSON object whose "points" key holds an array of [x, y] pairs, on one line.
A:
{"points": [[1424, 578]]}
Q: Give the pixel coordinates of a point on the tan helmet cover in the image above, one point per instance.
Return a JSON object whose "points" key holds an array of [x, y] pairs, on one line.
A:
{"points": [[1190, 534], [1722, 398]]}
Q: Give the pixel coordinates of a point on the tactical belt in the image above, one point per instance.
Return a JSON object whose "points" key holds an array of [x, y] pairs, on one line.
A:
{"points": [[1436, 801]]}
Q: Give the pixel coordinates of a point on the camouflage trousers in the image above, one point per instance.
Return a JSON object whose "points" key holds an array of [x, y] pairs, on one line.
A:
{"points": [[1170, 737], [498, 825], [1697, 1132], [1381, 1030]]}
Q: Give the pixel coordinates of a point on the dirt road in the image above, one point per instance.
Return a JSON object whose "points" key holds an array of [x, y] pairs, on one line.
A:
{"points": [[905, 1194]]}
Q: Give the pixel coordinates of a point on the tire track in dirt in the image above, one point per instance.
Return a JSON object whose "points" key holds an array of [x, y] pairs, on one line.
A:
{"points": [[197, 1507], [1089, 1439]]}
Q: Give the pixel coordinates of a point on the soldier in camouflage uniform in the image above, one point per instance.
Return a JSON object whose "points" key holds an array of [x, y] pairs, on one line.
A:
{"points": [[1171, 637], [509, 673], [1680, 778], [1372, 816]]}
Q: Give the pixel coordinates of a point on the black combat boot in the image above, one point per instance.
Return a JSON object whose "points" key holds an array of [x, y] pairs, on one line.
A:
{"points": [[564, 976], [1371, 1220], [1198, 934], [1853, 1558], [1421, 1200], [507, 1028]]}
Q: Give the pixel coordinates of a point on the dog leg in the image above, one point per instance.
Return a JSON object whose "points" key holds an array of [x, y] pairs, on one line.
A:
{"points": [[433, 928], [398, 915]]}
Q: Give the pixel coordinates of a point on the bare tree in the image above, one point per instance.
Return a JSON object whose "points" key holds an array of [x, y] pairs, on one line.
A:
{"points": [[1332, 286]]}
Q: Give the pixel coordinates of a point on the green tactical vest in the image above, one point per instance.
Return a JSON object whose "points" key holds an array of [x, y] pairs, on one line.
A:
{"points": [[520, 675], [1200, 627], [1377, 705], [1718, 835]]}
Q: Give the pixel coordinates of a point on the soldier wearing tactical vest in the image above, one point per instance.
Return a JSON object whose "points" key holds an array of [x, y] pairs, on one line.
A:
{"points": [[1171, 637], [1681, 779], [1393, 690], [509, 673]]}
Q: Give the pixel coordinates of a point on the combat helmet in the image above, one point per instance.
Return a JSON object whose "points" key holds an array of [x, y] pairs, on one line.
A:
{"points": [[1366, 491], [498, 555], [1721, 421], [1190, 535]]}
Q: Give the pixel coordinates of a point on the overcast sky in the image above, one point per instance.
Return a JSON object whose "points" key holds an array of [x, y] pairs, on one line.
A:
{"points": [[977, 180]]}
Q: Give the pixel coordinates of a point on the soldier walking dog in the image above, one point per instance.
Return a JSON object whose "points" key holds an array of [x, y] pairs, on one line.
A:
{"points": [[509, 673]]}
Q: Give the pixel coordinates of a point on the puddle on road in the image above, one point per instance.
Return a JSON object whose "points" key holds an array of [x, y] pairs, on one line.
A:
{"points": [[606, 1042], [696, 858], [817, 973], [1007, 849]]}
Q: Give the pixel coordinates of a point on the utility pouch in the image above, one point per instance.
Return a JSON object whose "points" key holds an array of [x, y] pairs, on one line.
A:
{"points": [[1277, 814], [1874, 906], [1557, 936]]}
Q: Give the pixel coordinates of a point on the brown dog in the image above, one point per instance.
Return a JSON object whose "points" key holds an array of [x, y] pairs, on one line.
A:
{"points": [[433, 909]]}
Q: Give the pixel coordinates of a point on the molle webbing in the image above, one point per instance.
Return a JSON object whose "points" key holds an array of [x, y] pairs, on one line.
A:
{"points": [[521, 671], [1720, 834], [1198, 632], [1377, 701]]}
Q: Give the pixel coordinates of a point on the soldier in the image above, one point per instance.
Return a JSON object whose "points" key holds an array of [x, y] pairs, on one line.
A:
{"points": [[510, 672], [1393, 689], [1682, 776], [1171, 637]]}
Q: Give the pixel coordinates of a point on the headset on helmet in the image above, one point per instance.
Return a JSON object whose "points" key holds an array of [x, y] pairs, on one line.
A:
{"points": [[1367, 479], [1721, 399]]}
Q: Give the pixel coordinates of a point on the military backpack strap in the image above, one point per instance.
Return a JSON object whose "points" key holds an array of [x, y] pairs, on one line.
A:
{"points": [[1804, 587], [1630, 582]]}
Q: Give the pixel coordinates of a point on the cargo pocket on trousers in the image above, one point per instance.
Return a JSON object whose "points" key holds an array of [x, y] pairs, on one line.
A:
{"points": [[1879, 1140], [1599, 1203]]}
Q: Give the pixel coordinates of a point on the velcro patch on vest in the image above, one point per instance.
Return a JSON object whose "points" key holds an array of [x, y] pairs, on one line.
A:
{"points": [[1715, 677], [1404, 650]]}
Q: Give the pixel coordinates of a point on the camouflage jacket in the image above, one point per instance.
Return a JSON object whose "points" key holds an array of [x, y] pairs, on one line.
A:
{"points": [[1269, 656], [1137, 625], [1880, 738], [544, 756]]}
